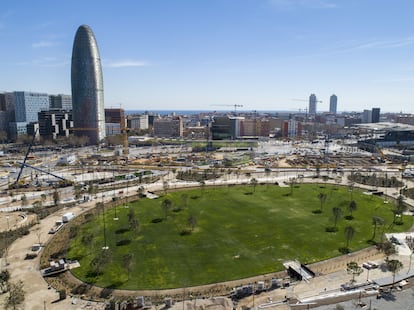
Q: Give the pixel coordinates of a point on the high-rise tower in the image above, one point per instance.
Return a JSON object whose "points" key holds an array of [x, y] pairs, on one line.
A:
{"points": [[88, 111], [312, 104], [333, 101]]}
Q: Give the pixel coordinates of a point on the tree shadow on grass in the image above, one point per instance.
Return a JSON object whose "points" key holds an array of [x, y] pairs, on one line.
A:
{"points": [[344, 250], [185, 232], [123, 242], [121, 230]]}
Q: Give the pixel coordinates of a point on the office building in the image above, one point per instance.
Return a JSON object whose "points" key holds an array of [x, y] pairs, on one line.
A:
{"points": [[333, 102], [312, 104], [60, 102], [138, 121], [87, 87], [168, 127], [375, 115], [114, 121], [23, 108], [292, 128], [366, 116], [55, 123]]}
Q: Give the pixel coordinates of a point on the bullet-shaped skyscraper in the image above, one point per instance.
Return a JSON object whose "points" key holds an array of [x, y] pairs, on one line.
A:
{"points": [[88, 110]]}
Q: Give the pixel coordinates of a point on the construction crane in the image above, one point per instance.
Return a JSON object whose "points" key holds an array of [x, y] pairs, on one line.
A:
{"points": [[307, 100], [24, 164], [230, 105]]}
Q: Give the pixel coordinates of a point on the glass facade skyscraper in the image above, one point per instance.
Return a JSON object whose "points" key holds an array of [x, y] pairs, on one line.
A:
{"points": [[312, 104], [333, 101], [87, 87]]}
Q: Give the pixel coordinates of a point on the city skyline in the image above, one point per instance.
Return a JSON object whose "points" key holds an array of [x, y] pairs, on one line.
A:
{"points": [[194, 55]]}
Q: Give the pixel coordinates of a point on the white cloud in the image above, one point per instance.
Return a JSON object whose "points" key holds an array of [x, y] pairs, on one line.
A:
{"points": [[45, 62], [43, 43], [307, 4], [126, 63]]}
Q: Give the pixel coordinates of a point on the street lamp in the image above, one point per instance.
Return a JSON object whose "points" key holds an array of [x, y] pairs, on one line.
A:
{"points": [[409, 266], [7, 241], [105, 247]]}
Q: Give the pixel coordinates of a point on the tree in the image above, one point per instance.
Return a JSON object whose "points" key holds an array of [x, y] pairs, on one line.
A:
{"points": [[202, 185], [354, 269], [127, 260], [394, 265], [166, 206], [325, 178], [376, 221], [351, 189], [336, 215], [56, 197], [349, 232], [99, 261], [292, 184], [322, 199], [24, 200], [192, 221], [253, 182], [141, 191], [16, 296], [388, 248], [399, 208], [165, 185], [43, 197], [351, 208], [4, 279], [184, 199], [134, 224]]}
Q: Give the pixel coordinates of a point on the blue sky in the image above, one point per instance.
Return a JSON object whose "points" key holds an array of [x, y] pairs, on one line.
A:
{"points": [[205, 54]]}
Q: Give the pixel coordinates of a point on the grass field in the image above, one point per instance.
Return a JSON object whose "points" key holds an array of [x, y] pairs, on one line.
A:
{"points": [[236, 232]]}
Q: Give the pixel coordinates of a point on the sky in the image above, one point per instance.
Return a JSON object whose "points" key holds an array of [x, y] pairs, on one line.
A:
{"points": [[214, 54]]}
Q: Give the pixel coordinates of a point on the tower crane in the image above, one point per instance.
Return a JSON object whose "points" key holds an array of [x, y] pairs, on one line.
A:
{"points": [[230, 105], [307, 100]]}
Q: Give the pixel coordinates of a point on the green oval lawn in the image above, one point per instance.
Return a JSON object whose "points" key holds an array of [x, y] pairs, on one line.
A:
{"points": [[236, 232]]}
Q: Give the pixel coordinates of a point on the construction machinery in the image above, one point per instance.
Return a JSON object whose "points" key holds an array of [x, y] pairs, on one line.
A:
{"points": [[230, 105], [24, 164]]}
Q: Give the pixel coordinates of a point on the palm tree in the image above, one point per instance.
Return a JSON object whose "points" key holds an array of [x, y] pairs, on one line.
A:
{"points": [[337, 214], [351, 208], [202, 185], [351, 189], [166, 205], [349, 232], [253, 182], [322, 199], [184, 199], [192, 221], [376, 221], [127, 260], [394, 266]]}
